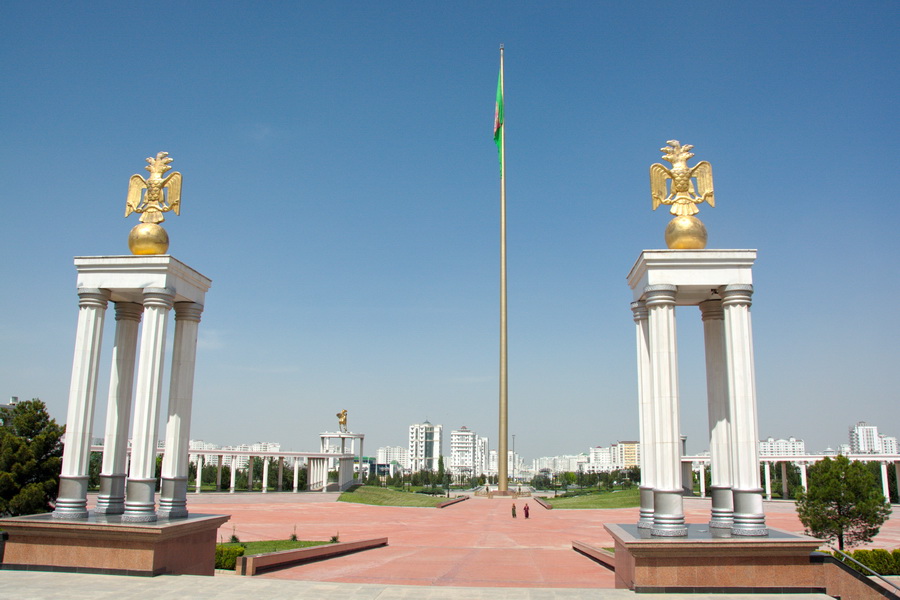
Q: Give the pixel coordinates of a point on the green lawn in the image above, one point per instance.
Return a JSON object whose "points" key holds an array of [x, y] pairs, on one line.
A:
{"points": [[387, 497], [273, 546], [618, 499]]}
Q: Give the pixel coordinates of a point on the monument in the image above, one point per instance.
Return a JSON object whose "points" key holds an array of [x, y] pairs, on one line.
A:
{"points": [[655, 552], [338, 453], [125, 532]]}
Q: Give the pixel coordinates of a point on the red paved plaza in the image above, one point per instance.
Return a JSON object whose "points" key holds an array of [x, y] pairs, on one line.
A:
{"points": [[472, 544]]}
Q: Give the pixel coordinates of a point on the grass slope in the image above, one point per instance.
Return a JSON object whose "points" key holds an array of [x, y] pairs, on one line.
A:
{"points": [[386, 497], [619, 499], [273, 546]]}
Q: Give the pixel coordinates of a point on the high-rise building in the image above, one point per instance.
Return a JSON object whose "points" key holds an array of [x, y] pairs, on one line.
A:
{"points": [[888, 444], [424, 446], [789, 447], [864, 439], [463, 452], [387, 455], [626, 455]]}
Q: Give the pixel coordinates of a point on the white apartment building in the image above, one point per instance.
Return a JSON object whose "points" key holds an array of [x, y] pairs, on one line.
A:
{"points": [[464, 454], [888, 444], [387, 455], [864, 439], [514, 465], [425, 446], [789, 447]]}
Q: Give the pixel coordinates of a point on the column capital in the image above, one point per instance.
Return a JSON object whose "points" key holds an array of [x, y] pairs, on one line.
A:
{"points": [[737, 294], [159, 297], [128, 311], [661, 294], [711, 310], [639, 310], [93, 297], [188, 311]]}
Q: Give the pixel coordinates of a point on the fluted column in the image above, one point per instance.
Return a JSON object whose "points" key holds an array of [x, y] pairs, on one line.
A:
{"points": [[233, 473], [111, 500], [719, 418], [140, 488], [173, 492], [297, 473], [71, 502], [749, 518], [767, 473], [668, 503], [645, 414], [803, 477], [265, 475], [885, 488]]}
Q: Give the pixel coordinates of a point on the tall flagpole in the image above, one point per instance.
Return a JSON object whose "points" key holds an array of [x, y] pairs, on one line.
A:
{"points": [[502, 446]]}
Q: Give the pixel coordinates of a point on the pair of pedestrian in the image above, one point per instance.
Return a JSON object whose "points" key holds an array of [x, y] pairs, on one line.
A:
{"points": [[525, 510]]}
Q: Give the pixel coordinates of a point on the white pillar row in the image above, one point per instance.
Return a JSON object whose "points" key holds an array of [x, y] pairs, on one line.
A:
{"points": [[668, 502], [885, 488], [296, 473], [71, 502], [233, 470], [767, 466], [111, 499], [173, 493], [803, 476], [713, 317], [749, 518], [265, 475], [140, 491], [645, 414]]}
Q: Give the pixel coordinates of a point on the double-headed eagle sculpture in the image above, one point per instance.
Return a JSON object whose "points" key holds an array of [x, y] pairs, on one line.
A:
{"points": [[161, 196], [685, 231]]}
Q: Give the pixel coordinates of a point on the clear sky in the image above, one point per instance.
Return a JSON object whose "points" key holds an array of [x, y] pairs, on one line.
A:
{"points": [[341, 190]]}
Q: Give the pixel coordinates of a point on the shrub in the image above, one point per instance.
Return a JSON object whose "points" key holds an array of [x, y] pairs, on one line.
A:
{"points": [[882, 562], [226, 556]]}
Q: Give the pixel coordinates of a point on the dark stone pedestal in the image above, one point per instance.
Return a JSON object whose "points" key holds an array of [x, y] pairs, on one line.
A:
{"points": [[104, 544]]}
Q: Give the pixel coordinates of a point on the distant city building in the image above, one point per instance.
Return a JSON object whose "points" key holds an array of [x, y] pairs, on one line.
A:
{"points": [[568, 463], [424, 446], [513, 463], [387, 455], [468, 454], [789, 447], [626, 455], [864, 439], [888, 444]]}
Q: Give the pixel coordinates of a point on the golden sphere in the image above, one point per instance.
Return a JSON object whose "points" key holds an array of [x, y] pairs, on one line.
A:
{"points": [[148, 238], [686, 233]]}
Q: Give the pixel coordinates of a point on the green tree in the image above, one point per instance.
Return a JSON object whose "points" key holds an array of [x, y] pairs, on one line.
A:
{"points": [[30, 459], [844, 502]]}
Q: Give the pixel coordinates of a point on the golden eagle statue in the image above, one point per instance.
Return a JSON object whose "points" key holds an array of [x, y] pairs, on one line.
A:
{"points": [[685, 231], [161, 196]]}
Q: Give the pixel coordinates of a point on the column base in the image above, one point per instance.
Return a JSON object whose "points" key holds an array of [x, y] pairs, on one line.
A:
{"points": [[646, 519], [173, 498], [749, 519], [668, 514], [71, 502], [722, 508], [111, 500], [140, 503]]}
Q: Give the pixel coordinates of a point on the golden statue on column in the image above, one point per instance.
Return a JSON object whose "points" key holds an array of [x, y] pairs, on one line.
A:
{"points": [[162, 195], [685, 231], [342, 420]]}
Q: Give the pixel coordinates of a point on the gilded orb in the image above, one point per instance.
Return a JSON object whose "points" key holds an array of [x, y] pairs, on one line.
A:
{"points": [[148, 238], [686, 233]]}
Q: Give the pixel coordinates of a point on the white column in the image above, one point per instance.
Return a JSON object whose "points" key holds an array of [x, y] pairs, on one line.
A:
{"points": [[173, 494], [233, 470], [140, 492], [201, 462], [297, 473], [702, 480], [645, 414], [719, 418], [768, 476], [784, 481], [885, 488], [111, 499], [668, 503], [749, 518], [803, 476], [71, 502], [265, 475]]}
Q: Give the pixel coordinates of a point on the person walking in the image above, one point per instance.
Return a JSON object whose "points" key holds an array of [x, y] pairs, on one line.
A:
{"points": [[514, 510], [526, 510]]}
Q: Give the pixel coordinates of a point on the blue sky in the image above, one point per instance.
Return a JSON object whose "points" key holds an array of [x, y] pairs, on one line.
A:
{"points": [[341, 191]]}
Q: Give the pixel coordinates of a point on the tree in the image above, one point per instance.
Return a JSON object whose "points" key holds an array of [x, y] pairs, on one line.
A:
{"points": [[844, 502], [30, 459]]}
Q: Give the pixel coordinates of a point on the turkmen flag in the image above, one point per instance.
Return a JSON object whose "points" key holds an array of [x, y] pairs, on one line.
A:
{"points": [[498, 120]]}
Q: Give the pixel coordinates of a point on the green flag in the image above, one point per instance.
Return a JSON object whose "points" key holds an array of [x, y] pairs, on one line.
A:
{"points": [[498, 120]]}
